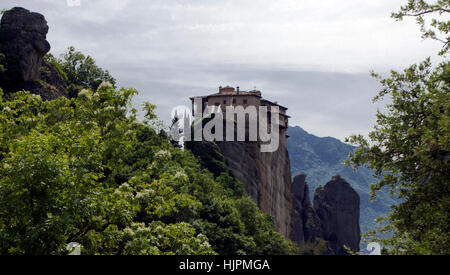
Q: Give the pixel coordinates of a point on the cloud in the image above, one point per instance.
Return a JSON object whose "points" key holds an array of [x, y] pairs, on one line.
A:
{"points": [[325, 103], [313, 56]]}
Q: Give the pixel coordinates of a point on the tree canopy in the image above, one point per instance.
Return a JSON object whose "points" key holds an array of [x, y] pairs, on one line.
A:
{"points": [[409, 147], [80, 71], [87, 170], [436, 27]]}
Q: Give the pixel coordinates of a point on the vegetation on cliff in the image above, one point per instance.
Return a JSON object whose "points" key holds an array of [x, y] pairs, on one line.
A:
{"points": [[84, 169], [79, 71]]}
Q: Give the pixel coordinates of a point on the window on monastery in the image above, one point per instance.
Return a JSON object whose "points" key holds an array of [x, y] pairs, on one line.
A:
{"points": [[245, 101]]}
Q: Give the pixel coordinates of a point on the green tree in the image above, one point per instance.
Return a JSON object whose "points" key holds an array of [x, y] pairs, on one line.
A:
{"points": [[86, 170], [51, 166], [436, 28], [80, 71], [409, 148]]}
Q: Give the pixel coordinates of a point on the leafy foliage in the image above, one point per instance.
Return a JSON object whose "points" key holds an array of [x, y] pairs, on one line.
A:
{"points": [[438, 28], [409, 150], [409, 147], [316, 247], [79, 71], [52, 60], [86, 170]]}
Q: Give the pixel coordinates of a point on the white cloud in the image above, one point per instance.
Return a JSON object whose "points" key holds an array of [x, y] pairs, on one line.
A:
{"points": [[177, 48]]}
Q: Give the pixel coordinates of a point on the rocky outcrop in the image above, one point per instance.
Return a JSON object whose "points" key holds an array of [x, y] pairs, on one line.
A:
{"points": [[23, 34], [266, 177], [337, 207], [334, 217], [305, 222], [332, 220], [23, 41]]}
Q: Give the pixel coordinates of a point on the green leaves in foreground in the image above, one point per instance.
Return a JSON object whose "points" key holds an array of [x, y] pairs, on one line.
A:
{"points": [[409, 151], [86, 170]]}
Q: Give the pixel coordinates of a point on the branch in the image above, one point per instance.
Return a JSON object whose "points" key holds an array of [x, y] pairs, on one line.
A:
{"points": [[426, 12]]}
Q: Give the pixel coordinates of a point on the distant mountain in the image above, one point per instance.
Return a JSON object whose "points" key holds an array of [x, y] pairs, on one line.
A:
{"points": [[321, 158]]}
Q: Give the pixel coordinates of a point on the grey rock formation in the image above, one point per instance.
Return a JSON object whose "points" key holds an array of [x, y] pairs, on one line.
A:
{"points": [[23, 41], [337, 206], [23, 34], [266, 177], [333, 218], [301, 203], [305, 222]]}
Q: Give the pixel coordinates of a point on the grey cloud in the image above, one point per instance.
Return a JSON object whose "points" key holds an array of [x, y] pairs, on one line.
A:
{"points": [[171, 50], [326, 103]]}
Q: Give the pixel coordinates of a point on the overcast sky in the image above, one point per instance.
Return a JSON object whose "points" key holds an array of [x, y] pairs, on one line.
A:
{"points": [[312, 56]]}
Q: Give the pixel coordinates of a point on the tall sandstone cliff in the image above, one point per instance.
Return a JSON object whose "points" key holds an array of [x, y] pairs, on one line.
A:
{"points": [[266, 177], [337, 206], [305, 222], [334, 216]]}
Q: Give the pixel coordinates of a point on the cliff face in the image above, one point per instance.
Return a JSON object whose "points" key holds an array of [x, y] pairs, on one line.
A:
{"points": [[305, 222], [333, 218], [337, 206], [321, 158], [266, 177], [23, 41]]}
